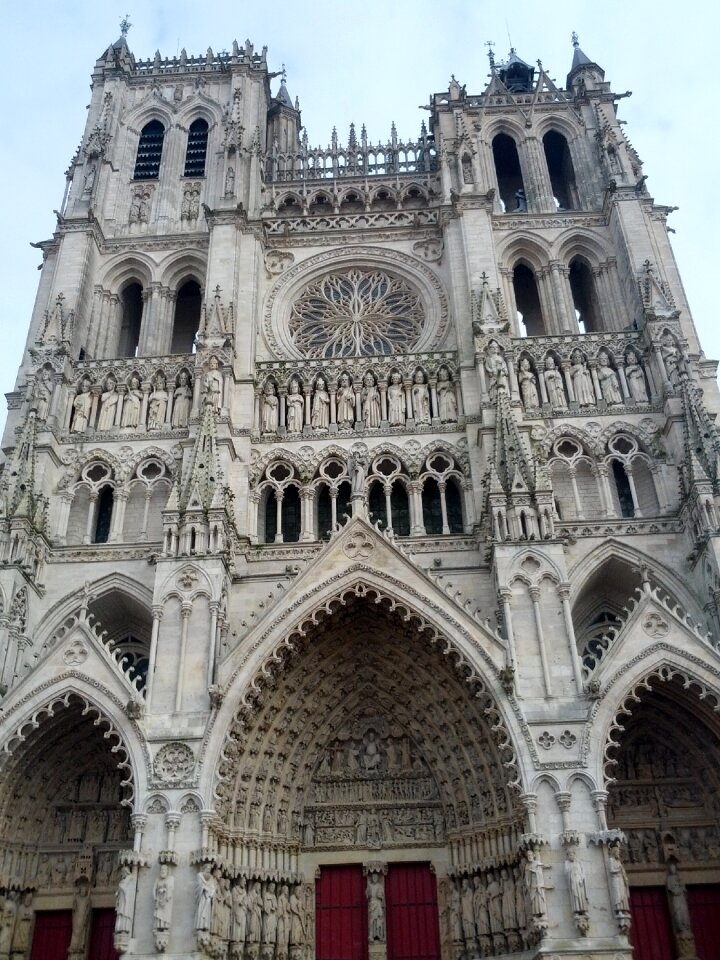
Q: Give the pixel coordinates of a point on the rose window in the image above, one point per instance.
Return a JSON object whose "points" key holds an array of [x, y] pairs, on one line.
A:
{"points": [[357, 313]]}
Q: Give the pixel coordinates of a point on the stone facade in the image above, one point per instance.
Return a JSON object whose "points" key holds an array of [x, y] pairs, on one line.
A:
{"points": [[360, 507]]}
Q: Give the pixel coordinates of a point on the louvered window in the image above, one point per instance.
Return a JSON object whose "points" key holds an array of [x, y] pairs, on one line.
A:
{"points": [[196, 149], [147, 162]]}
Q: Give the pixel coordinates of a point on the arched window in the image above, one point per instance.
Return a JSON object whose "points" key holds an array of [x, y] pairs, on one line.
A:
{"points": [[432, 508], [509, 174], [291, 515], [624, 493], [527, 301], [332, 510], [560, 168], [400, 510], [103, 515], [582, 285], [131, 305], [149, 152], [196, 152], [270, 516], [453, 505], [187, 317]]}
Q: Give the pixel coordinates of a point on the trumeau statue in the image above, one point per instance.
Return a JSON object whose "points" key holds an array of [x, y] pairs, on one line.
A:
{"points": [[376, 907]]}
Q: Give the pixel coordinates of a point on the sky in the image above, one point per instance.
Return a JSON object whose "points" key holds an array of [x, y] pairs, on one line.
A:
{"points": [[372, 62]]}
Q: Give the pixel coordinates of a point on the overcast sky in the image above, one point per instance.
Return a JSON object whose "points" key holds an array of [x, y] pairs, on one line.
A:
{"points": [[370, 62]]}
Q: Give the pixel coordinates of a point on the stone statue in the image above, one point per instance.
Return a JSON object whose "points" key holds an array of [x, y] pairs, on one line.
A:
{"points": [[520, 899], [608, 380], [527, 381], [677, 898], [495, 369], [206, 891], [554, 385], [230, 182], [671, 357], [582, 381], [345, 402], [7, 922], [182, 401], [376, 908], [132, 404], [520, 201], [163, 891], [298, 934], [480, 907], [212, 385], [456, 927], [89, 177], [254, 926], [82, 405], [396, 401], [535, 886], [494, 903], [371, 753], [635, 376], [41, 394], [447, 400], [82, 907], [240, 906], [157, 407], [283, 920], [23, 925], [124, 902], [269, 409], [269, 909], [619, 887], [108, 405], [467, 912], [371, 413], [295, 403], [509, 914], [320, 413], [420, 398], [575, 873]]}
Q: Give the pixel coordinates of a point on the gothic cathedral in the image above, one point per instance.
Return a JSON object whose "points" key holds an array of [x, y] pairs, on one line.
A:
{"points": [[359, 538]]}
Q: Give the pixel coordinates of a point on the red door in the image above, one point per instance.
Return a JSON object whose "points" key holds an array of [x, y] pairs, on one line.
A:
{"points": [[341, 931], [704, 904], [101, 936], [650, 933], [51, 935], [412, 916]]}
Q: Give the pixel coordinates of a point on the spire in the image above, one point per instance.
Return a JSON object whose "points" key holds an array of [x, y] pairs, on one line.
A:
{"points": [[204, 472], [581, 63]]}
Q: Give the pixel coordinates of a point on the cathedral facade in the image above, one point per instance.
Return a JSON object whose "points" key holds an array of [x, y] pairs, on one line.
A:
{"points": [[359, 577]]}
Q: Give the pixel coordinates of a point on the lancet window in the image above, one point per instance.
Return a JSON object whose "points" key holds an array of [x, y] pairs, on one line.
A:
{"points": [[196, 152], [186, 321], [91, 505], [509, 174], [560, 169], [132, 302], [527, 301], [149, 152]]}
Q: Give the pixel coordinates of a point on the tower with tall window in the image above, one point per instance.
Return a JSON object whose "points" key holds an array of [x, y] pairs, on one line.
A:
{"points": [[359, 534]]}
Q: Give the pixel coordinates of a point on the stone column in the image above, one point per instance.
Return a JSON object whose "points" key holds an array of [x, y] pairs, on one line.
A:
{"points": [[375, 872]]}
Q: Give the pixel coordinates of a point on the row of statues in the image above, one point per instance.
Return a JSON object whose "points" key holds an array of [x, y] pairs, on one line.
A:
{"points": [[370, 403], [578, 381], [125, 408], [247, 913]]}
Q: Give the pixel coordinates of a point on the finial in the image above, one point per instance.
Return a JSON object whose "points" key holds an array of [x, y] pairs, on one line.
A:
{"points": [[125, 25], [284, 74], [575, 40], [491, 53]]}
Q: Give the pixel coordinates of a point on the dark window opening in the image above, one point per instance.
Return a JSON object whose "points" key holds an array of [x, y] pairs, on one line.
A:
{"points": [[560, 168], [432, 509], [376, 505], [400, 507], [196, 153], [149, 152], [508, 173], [131, 302], [527, 301], [103, 515], [187, 317], [582, 285], [622, 485], [291, 515], [270, 517], [324, 513], [453, 505]]}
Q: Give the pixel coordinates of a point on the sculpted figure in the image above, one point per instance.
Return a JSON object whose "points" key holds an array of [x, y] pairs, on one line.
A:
{"points": [[527, 381], [420, 398], [480, 907], [182, 401], [124, 902], [163, 891], [108, 405], [269, 908], [467, 912], [370, 402], [345, 402], [295, 408], [297, 920], [575, 874], [269, 408], [371, 755], [677, 896], [23, 925], [608, 380], [42, 392], [376, 908], [320, 413], [535, 886], [671, 357], [230, 182], [494, 902], [254, 926], [82, 404], [80, 918], [509, 915], [157, 407], [618, 882], [582, 381], [7, 922], [283, 920], [456, 927], [132, 404], [240, 907], [447, 400], [205, 896], [554, 385], [635, 377], [396, 401], [212, 385], [495, 369]]}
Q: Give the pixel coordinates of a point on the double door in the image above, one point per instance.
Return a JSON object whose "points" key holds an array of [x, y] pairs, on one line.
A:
{"points": [[651, 931], [53, 929]]}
